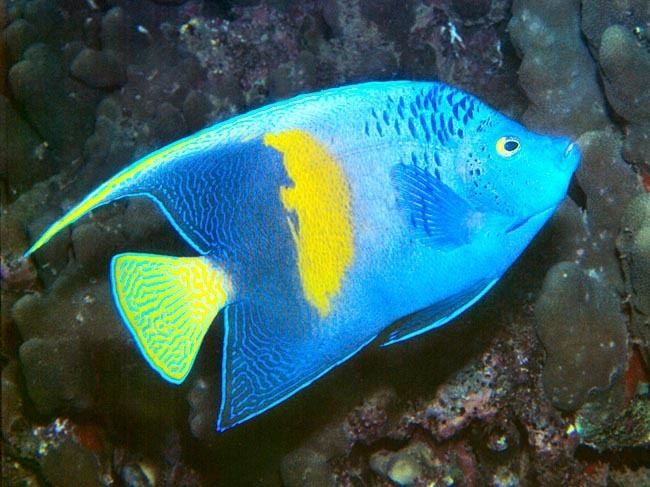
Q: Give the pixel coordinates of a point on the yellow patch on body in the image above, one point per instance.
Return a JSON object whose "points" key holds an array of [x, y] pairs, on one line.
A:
{"points": [[169, 303], [320, 198]]}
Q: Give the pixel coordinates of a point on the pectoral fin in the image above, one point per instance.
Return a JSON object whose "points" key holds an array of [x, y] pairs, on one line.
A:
{"points": [[439, 314], [168, 304], [437, 214]]}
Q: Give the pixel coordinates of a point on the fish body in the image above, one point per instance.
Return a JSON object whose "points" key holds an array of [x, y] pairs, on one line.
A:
{"points": [[322, 220]]}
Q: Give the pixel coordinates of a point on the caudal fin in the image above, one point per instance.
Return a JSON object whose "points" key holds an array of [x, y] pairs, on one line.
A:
{"points": [[168, 304]]}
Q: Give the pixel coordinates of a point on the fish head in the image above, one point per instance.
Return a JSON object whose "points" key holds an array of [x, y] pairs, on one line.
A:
{"points": [[508, 169]]}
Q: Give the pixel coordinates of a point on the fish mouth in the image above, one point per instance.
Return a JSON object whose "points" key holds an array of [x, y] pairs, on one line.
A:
{"points": [[522, 222]]}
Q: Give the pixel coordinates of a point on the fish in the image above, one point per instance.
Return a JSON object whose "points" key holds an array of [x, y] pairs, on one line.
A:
{"points": [[369, 212]]}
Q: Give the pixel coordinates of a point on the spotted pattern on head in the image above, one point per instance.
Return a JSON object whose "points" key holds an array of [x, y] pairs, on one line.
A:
{"points": [[320, 199], [436, 114], [433, 119]]}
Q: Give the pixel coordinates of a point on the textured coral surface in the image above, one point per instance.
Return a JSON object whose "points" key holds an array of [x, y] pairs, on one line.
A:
{"points": [[545, 382]]}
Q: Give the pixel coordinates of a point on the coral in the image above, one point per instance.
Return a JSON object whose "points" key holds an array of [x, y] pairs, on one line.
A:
{"points": [[24, 156], [98, 69], [485, 425], [598, 15], [607, 425], [355, 37], [369, 422], [306, 467], [634, 247], [626, 69], [618, 38], [472, 395], [467, 45], [557, 72], [37, 82], [609, 183], [18, 36], [417, 464], [584, 333]]}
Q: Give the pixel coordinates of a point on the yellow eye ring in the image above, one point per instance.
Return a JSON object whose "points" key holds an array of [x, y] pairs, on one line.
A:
{"points": [[508, 146]]}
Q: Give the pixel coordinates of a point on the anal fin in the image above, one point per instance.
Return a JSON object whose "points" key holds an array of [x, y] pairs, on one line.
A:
{"points": [[168, 304], [272, 350], [440, 313]]}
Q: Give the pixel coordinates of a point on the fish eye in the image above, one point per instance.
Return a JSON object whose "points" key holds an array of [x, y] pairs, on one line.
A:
{"points": [[508, 146]]}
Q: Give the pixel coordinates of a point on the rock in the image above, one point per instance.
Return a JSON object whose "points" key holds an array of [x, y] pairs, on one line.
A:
{"points": [[71, 464], [56, 374], [598, 15], [370, 421], [196, 110], [306, 468], [24, 159], [399, 26], [357, 49], [626, 70], [609, 183], [610, 425], [557, 71], [115, 33], [636, 146], [99, 69], [169, 124], [420, 464], [170, 2], [403, 467], [45, 16], [18, 36], [505, 477], [584, 333], [634, 249], [38, 85]]}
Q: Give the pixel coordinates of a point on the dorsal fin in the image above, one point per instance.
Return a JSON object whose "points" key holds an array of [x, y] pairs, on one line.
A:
{"points": [[129, 181]]}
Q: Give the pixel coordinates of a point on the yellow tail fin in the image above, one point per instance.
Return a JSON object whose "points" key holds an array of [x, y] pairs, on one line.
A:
{"points": [[168, 304]]}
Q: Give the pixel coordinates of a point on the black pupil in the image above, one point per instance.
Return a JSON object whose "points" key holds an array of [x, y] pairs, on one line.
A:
{"points": [[511, 145]]}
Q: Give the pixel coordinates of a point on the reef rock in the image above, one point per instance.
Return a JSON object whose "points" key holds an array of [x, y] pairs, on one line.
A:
{"points": [[634, 247], [557, 71], [609, 183], [584, 333], [99, 69], [626, 70]]}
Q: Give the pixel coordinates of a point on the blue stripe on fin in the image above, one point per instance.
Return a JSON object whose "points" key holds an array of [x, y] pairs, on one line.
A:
{"points": [[439, 314], [263, 363], [435, 212]]}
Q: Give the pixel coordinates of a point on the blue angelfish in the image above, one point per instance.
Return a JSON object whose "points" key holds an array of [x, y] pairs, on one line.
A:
{"points": [[322, 220]]}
